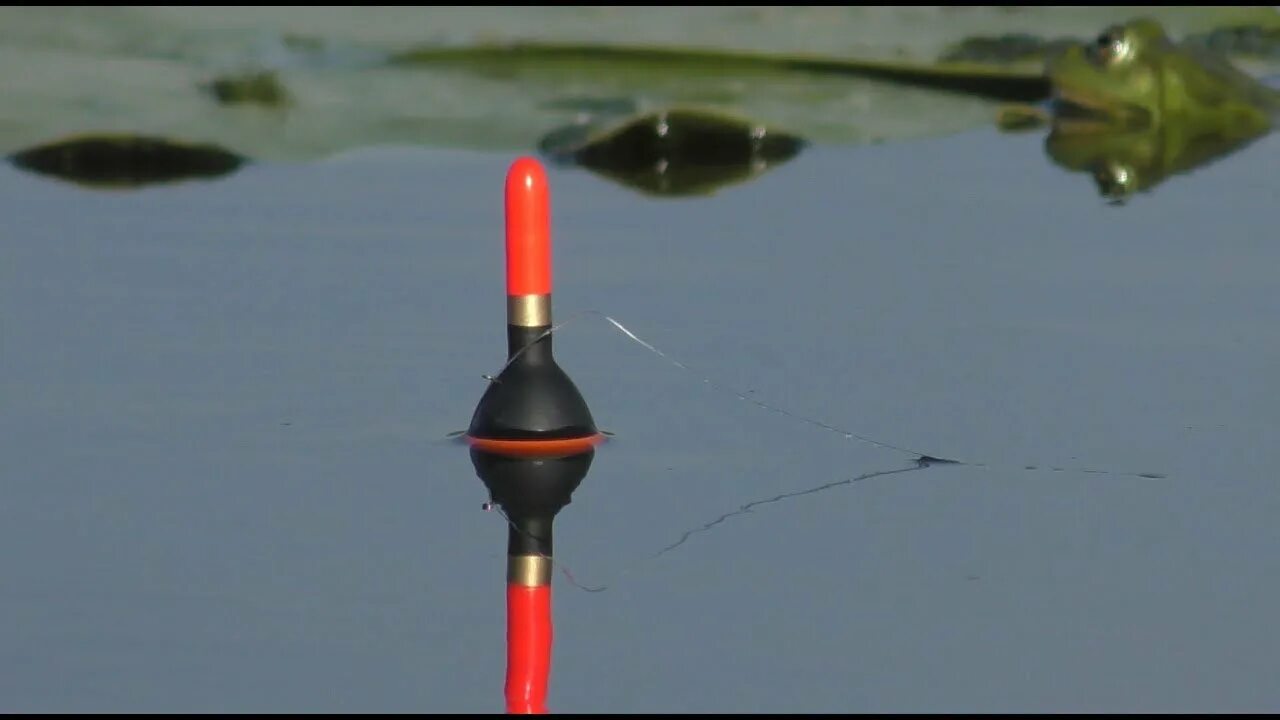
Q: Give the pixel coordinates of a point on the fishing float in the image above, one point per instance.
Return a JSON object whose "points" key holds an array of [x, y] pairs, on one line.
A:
{"points": [[532, 437]]}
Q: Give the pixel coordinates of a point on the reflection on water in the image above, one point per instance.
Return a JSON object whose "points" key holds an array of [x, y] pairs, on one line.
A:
{"points": [[531, 491], [674, 152], [617, 109], [511, 479], [505, 475], [1124, 162], [207, 76], [127, 161], [552, 483]]}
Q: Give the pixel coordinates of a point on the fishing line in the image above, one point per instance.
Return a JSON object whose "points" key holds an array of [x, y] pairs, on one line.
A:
{"points": [[812, 422], [688, 534], [920, 460]]}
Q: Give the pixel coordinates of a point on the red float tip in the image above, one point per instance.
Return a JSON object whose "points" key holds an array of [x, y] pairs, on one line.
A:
{"points": [[528, 229]]}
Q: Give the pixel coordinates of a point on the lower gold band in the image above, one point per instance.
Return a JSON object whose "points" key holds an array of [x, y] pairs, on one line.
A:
{"points": [[529, 570]]}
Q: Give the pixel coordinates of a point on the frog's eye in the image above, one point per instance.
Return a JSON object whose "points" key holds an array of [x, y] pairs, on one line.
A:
{"points": [[1115, 182], [1111, 47]]}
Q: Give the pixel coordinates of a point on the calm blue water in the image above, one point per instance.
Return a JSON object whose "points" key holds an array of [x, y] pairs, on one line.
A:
{"points": [[226, 485]]}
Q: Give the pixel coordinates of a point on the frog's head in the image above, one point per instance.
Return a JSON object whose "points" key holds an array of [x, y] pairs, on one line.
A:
{"points": [[1132, 75], [1117, 76]]}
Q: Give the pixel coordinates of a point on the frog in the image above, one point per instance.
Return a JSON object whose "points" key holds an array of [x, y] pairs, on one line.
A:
{"points": [[1132, 107]]}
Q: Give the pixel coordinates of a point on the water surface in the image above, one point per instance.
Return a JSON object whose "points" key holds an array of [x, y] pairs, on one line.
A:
{"points": [[226, 483]]}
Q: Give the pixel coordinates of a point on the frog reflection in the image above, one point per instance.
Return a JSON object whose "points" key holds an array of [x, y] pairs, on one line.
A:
{"points": [[1126, 162]]}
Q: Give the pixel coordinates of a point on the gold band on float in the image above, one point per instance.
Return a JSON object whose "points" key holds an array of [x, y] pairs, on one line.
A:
{"points": [[529, 310], [529, 570]]}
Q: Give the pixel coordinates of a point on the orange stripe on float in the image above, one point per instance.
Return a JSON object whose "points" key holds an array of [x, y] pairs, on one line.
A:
{"points": [[528, 229], [536, 448], [528, 648]]}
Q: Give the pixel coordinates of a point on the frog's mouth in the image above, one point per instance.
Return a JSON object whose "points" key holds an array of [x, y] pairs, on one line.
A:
{"points": [[1078, 110]]}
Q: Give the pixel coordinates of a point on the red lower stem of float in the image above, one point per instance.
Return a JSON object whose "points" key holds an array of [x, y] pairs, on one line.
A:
{"points": [[528, 648]]}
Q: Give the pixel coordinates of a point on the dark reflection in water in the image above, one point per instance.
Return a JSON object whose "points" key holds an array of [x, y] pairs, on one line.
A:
{"points": [[563, 473], [126, 161], [530, 490], [1125, 162], [676, 152]]}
